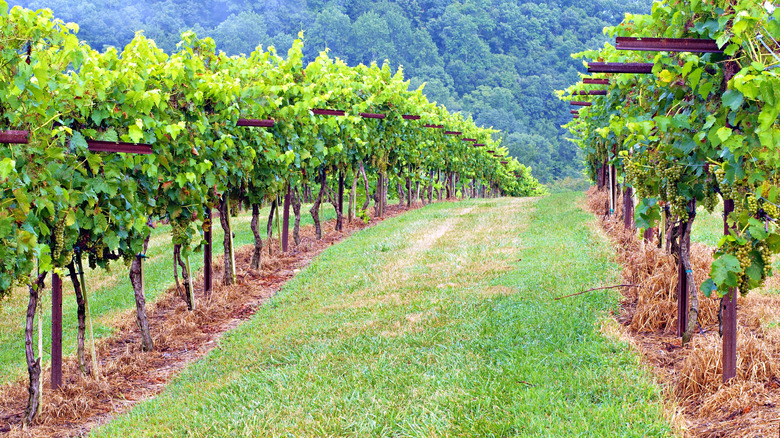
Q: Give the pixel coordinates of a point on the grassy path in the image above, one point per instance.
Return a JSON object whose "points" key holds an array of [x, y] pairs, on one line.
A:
{"points": [[440, 322]]}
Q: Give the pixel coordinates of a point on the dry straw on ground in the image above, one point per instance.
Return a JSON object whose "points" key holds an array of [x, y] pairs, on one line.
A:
{"points": [[692, 375]]}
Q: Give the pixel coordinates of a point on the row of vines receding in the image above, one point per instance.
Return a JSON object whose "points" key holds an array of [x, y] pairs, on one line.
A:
{"points": [[65, 206], [699, 129]]}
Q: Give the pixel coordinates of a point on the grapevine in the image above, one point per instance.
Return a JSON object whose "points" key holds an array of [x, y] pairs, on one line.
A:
{"points": [[186, 105], [702, 127]]}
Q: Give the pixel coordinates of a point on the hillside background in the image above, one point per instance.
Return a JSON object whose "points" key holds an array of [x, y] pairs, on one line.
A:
{"points": [[498, 60]]}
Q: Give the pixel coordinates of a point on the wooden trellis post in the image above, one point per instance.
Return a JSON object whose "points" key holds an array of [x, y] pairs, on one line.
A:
{"points": [[286, 220], [208, 269], [728, 309], [56, 331]]}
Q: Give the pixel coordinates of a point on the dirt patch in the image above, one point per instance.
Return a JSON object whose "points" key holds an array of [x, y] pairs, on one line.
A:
{"points": [[397, 271], [701, 405], [410, 324], [429, 238], [365, 302], [495, 291], [129, 375]]}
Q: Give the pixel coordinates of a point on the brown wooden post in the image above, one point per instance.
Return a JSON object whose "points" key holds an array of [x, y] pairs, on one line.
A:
{"points": [[728, 305], [628, 207], [598, 178], [56, 332], [341, 192], [286, 215], [208, 281], [682, 290], [613, 189], [453, 193], [409, 188], [728, 308], [604, 176]]}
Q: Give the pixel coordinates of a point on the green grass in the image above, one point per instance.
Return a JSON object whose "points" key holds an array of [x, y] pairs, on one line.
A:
{"points": [[111, 292], [440, 322], [708, 227]]}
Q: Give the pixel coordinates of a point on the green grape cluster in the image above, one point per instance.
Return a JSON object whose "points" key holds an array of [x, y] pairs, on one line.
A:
{"points": [[68, 256], [674, 172], [728, 191], [752, 204], [638, 174], [96, 254], [771, 210], [743, 255], [766, 255], [59, 239], [22, 280], [179, 233], [710, 202], [678, 205]]}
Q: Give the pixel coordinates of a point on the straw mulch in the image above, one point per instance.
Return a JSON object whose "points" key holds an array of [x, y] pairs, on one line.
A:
{"points": [[692, 375], [130, 375]]}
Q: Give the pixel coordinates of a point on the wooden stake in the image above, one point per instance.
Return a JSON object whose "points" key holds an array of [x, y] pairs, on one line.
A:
{"points": [[56, 332], [728, 305], [341, 192], [728, 308], [230, 242], [92, 351], [40, 349], [286, 220], [682, 287], [208, 280], [279, 225], [189, 280], [611, 192], [628, 208]]}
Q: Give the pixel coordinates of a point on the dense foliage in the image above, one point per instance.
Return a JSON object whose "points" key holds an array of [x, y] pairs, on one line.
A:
{"points": [[59, 200], [497, 60], [702, 125]]}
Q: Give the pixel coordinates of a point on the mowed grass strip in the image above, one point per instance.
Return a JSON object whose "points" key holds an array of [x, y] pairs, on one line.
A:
{"points": [[111, 293], [708, 227], [440, 322]]}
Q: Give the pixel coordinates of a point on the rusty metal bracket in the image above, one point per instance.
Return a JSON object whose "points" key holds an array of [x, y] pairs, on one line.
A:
{"points": [[14, 137], [619, 67], [127, 148], [693, 45], [266, 123]]}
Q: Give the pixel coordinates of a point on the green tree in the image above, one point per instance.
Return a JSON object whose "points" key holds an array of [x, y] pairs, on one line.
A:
{"points": [[240, 33], [372, 40]]}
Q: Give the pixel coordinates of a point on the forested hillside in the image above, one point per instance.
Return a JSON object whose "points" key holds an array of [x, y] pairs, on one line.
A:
{"points": [[499, 60]]}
